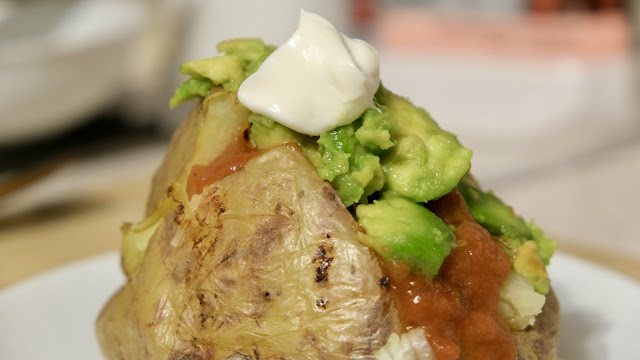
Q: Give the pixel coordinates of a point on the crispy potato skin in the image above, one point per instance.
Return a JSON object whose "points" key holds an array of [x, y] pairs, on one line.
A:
{"points": [[265, 264]]}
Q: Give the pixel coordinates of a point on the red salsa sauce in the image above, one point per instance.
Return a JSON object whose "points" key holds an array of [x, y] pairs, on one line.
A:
{"points": [[234, 157], [458, 309]]}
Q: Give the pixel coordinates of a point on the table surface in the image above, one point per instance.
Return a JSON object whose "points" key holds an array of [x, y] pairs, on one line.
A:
{"points": [[77, 212]]}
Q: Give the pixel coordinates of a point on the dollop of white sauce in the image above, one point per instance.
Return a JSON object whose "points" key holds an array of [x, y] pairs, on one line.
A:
{"points": [[318, 80]]}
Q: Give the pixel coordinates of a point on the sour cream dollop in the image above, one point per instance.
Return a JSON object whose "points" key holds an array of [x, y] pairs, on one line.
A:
{"points": [[318, 80]]}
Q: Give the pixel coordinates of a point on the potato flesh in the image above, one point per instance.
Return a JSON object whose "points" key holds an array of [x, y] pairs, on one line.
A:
{"points": [[519, 302], [265, 262]]}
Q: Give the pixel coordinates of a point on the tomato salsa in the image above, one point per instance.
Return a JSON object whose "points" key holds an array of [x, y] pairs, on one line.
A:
{"points": [[458, 308], [233, 158]]}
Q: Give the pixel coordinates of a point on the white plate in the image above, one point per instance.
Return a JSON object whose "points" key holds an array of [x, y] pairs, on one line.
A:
{"points": [[52, 316]]}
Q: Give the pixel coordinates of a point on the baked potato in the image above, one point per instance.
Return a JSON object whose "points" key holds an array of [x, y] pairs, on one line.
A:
{"points": [[339, 225], [263, 263]]}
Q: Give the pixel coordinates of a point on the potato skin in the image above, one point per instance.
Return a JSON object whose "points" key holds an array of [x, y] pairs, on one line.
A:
{"points": [[265, 263], [212, 125]]}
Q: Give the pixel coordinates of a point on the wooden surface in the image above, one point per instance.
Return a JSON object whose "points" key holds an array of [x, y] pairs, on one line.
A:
{"points": [[38, 241]]}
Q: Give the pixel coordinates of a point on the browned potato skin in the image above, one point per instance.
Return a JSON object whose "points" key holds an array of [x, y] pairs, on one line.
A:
{"points": [[265, 263]]}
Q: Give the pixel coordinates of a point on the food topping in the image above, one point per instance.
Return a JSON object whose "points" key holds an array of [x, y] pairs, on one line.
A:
{"points": [[241, 58], [234, 158], [526, 245], [458, 309], [318, 80], [400, 229]]}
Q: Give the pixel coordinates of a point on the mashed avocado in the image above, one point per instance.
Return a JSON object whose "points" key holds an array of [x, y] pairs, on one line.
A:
{"points": [[384, 166]]}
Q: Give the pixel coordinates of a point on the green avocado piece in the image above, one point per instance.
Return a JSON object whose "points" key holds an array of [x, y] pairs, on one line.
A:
{"points": [[427, 162], [351, 168], [400, 229], [248, 50], [242, 58], [337, 148], [265, 133], [493, 214], [375, 131], [364, 178], [529, 264], [546, 246], [225, 70], [190, 89]]}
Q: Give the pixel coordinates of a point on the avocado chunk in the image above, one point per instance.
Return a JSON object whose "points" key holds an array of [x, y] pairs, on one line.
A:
{"points": [[427, 162], [265, 133], [248, 50], [546, 246], [351, 168], [242, 58], [223, 70], [189, 89], [402, 230], [375, 131]]}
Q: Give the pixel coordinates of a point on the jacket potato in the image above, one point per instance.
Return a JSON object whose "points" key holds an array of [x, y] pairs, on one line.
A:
{"points": [[263, 263]]}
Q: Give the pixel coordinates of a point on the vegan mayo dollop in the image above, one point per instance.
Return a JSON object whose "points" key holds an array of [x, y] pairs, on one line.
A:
{"points": [[318, 80]]}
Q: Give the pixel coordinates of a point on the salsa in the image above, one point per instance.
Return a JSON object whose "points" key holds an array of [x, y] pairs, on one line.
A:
{"points": [[458, 307], [233, 158]]}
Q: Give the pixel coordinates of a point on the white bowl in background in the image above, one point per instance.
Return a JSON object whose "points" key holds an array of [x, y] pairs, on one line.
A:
{"points": [[61, 61]]}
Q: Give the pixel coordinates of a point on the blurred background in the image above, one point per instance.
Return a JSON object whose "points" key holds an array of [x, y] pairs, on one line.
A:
{"points": [[544, 91]]}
